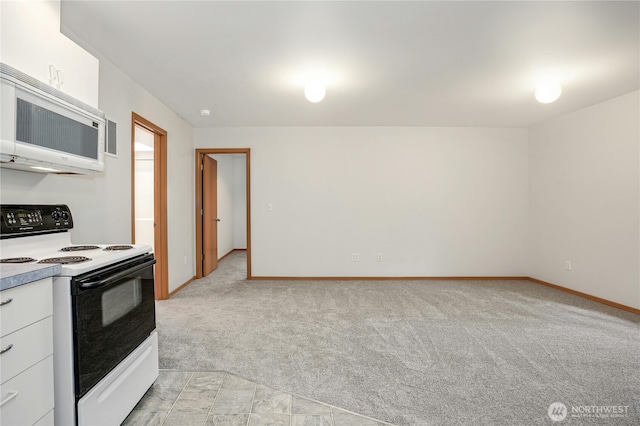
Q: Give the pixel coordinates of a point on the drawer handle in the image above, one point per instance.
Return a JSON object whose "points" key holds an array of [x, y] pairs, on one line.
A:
{"points": [[9, 397], [6, 302], [7, 349]]}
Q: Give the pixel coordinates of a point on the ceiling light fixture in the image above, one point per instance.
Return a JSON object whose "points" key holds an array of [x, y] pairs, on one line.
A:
{"points": [[548, 92], [314, 91], [205, 112]]}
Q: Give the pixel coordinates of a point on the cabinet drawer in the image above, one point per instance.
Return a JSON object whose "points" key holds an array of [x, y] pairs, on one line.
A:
{"points": [[47, 420], [25, 305], [29, 345], [26, 398]]}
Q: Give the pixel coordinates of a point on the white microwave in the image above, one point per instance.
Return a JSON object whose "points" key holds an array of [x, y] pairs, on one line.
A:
{"points": [[45, 130]]}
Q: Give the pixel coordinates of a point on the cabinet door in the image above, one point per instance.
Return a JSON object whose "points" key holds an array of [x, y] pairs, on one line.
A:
{"points": [[32, 42]]}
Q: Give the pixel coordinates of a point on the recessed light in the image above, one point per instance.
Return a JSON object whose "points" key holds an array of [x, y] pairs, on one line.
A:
{"points": [[205, 112]]}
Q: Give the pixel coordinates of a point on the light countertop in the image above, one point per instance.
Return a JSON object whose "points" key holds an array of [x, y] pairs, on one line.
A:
{"points": [[13, 275]]}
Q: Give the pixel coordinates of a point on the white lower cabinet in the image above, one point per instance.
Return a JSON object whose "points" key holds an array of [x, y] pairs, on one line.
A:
{"points": [[26, 355], [28, 346], [47, 420], [28, 396]]}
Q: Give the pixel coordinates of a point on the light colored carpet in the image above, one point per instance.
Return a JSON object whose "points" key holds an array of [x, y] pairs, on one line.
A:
{"points": [[411, 352]]}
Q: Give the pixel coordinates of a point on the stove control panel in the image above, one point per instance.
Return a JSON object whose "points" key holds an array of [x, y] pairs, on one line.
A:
{"points": [[22, 220]]}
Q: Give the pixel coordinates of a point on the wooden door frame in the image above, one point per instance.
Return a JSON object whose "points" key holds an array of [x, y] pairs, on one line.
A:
{"points": [[199, 154], [161, 277]]}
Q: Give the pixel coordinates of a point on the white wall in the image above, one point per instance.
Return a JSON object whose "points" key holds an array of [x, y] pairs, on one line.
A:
{"points": [[119, 97], [232, 228], [225, 204], [433, 201], [240, 202], [585, 196], [144, 190]]}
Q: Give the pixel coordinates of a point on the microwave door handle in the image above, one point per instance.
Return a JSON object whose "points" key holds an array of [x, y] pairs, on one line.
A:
{"points": [[115, 277]]}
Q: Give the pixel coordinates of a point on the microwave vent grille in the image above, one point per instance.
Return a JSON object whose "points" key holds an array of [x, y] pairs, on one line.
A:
{"points": [[111, 140], [38, 126]]}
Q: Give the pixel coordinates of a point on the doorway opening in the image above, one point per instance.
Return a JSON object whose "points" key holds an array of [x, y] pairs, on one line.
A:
{"points": [[149, 195], [216, 220]]}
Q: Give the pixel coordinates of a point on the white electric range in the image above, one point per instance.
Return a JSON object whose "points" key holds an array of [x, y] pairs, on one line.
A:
{"points": [[105, 343]]}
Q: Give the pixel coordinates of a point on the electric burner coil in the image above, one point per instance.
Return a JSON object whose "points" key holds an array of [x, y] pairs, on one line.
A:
{"points": [[65, 260], [79, 248], [118, 247], [17, 260]]}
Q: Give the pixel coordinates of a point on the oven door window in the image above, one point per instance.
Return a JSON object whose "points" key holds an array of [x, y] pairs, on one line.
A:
{"points": [[112, 316], [119, 301]]}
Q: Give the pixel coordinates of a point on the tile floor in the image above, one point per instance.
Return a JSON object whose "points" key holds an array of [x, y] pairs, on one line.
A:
{"points": [[217, 398]]}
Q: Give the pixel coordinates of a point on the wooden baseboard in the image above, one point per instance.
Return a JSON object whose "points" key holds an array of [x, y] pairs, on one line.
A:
{"points": [[587, 296], [368, 278], [189, 281]]}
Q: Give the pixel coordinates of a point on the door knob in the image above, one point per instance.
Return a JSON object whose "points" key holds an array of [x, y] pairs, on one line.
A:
{"points": [[217, 219]]}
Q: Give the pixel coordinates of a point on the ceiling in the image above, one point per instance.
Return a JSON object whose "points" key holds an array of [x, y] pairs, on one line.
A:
{"points": [[385, 63]]}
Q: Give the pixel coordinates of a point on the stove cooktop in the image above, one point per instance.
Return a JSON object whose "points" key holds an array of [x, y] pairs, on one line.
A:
{"points": [[57, 248], [40, 234]]}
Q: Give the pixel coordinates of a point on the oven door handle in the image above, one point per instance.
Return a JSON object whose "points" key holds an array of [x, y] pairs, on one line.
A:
{"points": [[115, 277]]}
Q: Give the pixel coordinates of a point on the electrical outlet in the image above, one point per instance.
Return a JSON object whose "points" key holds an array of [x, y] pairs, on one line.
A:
{"points": [[355, 257], [379, 257], [567, 265]]}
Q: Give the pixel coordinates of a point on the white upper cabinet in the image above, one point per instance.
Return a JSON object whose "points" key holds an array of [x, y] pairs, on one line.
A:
{"points": [[32, 43]]}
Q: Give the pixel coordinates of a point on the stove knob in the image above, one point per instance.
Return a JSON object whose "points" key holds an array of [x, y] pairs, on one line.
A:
{"points": [[55, 215], [65, 215]]}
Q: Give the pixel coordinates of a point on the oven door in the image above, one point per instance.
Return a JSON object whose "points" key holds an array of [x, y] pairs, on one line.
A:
{"points": [[113, 312]]}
